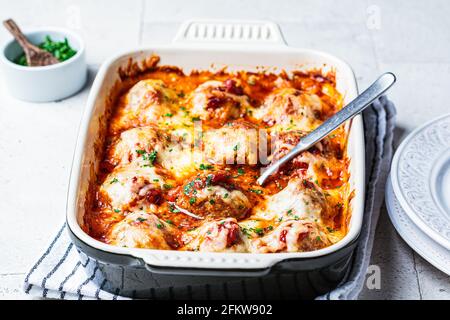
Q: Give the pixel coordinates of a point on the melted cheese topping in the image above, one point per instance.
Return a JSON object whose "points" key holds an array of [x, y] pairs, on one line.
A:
{"points": [[216, 236], [147, 102], [183, 153], [212, 100], [293, 202], [231, 145], [141, 230], [288, 106], [129, 183]]}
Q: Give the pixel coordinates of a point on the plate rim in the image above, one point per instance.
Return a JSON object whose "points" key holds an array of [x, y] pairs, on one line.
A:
{"points": [[430, 232], [390, 199]]}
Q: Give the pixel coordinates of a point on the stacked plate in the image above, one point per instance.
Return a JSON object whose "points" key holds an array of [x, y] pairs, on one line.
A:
{"points": [[418, 191]]}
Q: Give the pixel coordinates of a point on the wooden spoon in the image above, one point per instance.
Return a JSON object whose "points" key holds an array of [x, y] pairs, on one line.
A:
{"points": [[35, 56]]}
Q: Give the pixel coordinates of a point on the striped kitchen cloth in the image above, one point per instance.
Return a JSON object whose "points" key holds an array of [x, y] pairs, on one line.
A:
{"points": [[60, 273], [64, 273]]}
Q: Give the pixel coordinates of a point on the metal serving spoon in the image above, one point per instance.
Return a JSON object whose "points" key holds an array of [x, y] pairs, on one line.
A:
{"points": [[35, 55], [381, 85]]}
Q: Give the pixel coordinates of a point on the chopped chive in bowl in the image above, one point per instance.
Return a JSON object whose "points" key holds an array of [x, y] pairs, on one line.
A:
{"points": [[61, 50]]}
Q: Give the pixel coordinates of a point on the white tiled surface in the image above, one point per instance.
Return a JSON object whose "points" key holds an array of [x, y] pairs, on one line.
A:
{"points": [[37, 140]]}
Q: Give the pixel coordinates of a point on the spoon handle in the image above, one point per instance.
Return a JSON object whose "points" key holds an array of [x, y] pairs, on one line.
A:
{"points": [[381, 85], [14, 29]]}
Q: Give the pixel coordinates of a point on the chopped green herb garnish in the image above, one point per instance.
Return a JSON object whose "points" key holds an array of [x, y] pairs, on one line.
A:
{"points": [[173, 209], [209, 179], [192, 200], [114, 180], [141, 219], [61, 50], [259, 231], [148, 156], [246, 232], [206, 167], [240, 172], [151, 156], [257, 191], [187, 188], [116, 210], [249, 231]]}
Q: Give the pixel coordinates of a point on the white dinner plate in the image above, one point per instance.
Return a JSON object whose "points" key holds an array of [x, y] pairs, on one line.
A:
{"points": [[431, 251], [420, 175]]}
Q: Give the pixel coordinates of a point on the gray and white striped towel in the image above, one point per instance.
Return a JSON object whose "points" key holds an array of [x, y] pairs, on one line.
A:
{"points": [[63, 273]]}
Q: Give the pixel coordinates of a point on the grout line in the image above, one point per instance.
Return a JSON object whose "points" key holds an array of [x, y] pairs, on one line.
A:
{"points": [[417, 274], [141, 22], [12, 274]]}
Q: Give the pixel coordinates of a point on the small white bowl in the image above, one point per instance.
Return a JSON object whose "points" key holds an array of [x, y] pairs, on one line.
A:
{"points": [[47, 83]]}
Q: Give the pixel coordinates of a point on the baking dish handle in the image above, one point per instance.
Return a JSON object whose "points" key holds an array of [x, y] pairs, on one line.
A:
{"points": [[208, 272], [229, 32], [205, 263], [183, 263]]}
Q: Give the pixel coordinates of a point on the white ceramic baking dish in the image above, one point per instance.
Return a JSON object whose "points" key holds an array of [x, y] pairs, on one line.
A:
{"points": [[205, 45]]}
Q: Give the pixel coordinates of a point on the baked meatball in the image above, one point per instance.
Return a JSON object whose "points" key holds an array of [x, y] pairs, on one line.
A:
{"points": [[138, 144], [143, 230], [291, 236], [322, 162], [290, 107], [216, 236], [211, 196], [148, 146], [218, 101], [147, 102], [128, 186], [235, 143], [298, 200]]}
